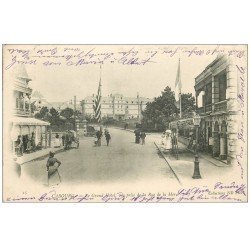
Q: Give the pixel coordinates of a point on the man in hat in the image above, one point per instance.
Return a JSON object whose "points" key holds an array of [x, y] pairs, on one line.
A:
{"points": [[143, 136], [107, 136]]}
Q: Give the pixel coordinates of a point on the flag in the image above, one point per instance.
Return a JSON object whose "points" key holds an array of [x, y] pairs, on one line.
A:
{"points": [[97, 103], [178, 83], [178, 86]]}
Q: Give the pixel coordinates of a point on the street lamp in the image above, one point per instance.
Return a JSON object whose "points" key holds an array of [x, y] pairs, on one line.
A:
{"points": [[196, 121]]}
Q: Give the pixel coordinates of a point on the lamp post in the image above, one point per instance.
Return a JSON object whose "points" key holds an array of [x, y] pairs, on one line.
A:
{"points": [[196, 121]]}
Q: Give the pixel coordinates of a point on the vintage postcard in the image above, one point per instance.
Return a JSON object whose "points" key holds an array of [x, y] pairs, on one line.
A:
{"points": [[125, 123]]}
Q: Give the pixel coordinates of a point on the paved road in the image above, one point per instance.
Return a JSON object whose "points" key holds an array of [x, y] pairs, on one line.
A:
{"points": [[122, 162]]}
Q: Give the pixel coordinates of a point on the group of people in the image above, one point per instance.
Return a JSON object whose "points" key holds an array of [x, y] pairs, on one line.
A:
{"points": [[99, 135], [167, 140], [68, 138], [26, 144], [140, 136]]}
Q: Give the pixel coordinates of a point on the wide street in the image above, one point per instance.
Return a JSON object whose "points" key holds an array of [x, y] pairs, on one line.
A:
{"points": [[123, 161], [123, 164]]}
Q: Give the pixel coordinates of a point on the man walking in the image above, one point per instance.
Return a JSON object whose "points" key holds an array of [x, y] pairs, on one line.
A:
{"points": [[99, 136], [137, 136], [108, 137], [143, 136]]}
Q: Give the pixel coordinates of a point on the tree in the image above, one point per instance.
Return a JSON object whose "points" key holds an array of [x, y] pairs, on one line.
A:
{"points": [[42, 113], [55, 118], [67, 113], [187, 103], [159, 113]]}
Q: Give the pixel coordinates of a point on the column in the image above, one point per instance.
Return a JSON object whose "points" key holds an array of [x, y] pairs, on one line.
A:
{"points": [[216, 140], [46, 137], [29, 104], [232, 137], [50, 137], [223, 146], [215, 91]]}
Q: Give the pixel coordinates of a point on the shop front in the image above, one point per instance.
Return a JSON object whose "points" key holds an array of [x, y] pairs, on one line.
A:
{"points": [[29, 134]]}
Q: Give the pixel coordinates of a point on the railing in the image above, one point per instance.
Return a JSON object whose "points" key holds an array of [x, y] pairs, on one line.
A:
{"points": [[220, 106], [21, 112], [208, 108], [201, 110]]}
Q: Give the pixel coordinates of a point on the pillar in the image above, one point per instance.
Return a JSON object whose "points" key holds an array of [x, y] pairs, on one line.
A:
{"points": [[216, 140], [231, 72], [232, 138], [46, 137], [50, 137], [223, 146], [29, 105], [215, 91]]}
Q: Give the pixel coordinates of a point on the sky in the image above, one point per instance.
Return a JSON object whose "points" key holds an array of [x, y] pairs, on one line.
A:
{"points": [[62, 83]]}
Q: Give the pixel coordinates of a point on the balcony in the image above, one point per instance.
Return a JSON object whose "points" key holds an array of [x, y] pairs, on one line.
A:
{"points": [[21, 112], [220, 106], [206, 109]]}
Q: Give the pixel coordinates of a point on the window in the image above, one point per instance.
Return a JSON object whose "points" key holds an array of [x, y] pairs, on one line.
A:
{"points": [[222, 87], [17, 101], [208, 94]]}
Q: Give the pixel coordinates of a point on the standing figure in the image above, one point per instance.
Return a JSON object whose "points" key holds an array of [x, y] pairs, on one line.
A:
{"points": [[29, 146], [52, 168], [143, 136], [57, 143], [137, 136], [108, 137], [19, 145], [99, 137], [67, 140], [168, 143], [33, 142], [63, 139]]}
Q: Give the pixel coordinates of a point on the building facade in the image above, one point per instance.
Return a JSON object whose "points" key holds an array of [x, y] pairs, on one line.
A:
{"points": [[117, 106], [24, 126], [216, 91]]}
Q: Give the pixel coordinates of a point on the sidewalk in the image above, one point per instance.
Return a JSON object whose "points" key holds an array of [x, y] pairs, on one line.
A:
{"points": [[40, 153], [183, 148]]}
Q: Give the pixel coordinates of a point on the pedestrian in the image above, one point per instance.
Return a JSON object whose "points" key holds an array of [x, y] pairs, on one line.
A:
{"points": [[57, 143], [29, 146], [19, 145], [63, 139], [143, 136], [108, 137], [99, 137], [33, 142], [67, 140], [168, 141], [52, 167], [137, 136]]}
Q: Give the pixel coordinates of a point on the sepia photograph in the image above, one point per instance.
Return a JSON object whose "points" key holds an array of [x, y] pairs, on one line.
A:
{"points": [[124, 123]]}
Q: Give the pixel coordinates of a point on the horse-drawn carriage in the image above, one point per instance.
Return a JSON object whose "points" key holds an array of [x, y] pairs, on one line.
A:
{"points": [[71, 140]]}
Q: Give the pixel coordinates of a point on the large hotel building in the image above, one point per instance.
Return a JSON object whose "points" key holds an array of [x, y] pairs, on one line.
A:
{"points": [[117, 106]]}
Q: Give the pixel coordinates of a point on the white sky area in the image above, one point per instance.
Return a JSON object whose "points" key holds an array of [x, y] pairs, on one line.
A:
{"points": [[61, 83]]}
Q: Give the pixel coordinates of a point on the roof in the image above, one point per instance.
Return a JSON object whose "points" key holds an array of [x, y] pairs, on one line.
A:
{"points": [[20, 72], [37, 94], [28, 121]]}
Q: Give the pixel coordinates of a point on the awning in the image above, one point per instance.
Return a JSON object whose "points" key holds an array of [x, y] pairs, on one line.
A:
{"points": [[28, 121]]}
